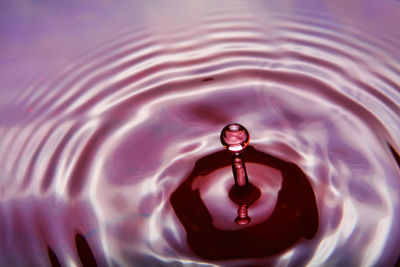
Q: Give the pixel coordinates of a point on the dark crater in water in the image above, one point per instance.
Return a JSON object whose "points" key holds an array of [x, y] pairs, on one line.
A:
{"points": [[295, 214]]}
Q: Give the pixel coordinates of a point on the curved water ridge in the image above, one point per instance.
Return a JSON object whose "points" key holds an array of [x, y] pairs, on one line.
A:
{"points": [[90, 157]]}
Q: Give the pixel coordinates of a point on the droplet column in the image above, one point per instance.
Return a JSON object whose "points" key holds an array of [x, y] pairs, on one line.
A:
{"points": [[235, 138], [239, 170]]}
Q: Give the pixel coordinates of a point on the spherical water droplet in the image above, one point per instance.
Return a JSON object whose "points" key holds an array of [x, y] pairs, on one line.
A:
{"points": [[234, 137]]}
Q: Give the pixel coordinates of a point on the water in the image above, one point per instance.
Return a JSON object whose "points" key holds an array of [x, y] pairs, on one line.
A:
{"points": [[110, 119], [214, 235]]}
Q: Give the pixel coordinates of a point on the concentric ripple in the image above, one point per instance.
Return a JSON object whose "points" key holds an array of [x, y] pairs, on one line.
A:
{"points": [[90, 157]]}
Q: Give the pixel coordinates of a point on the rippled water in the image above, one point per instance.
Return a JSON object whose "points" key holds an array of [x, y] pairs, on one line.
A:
{"points": [[92, 151]]}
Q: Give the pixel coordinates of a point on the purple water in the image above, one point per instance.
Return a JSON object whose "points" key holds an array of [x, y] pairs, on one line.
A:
{"points": [[106, 108]]}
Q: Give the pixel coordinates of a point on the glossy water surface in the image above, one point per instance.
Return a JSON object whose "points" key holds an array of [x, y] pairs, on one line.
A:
{"points": [[105, 111]]}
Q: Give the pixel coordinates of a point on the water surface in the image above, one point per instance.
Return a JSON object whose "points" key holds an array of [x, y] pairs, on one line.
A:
{"points": [[106, 109]]}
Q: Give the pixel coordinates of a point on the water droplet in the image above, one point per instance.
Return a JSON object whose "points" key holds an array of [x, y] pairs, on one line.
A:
{"points": [[234, 137], [242, 218], [239, 170]]}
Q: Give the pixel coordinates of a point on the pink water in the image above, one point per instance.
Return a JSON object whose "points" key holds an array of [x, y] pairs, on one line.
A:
{"points": [[105, 110]]}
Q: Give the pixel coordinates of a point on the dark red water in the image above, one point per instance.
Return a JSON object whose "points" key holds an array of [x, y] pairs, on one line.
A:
{"points": [[112, 156], [294, 216]]}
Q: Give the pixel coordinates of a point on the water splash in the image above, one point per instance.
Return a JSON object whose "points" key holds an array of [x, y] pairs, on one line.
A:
{"points": [[98, 145]]}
